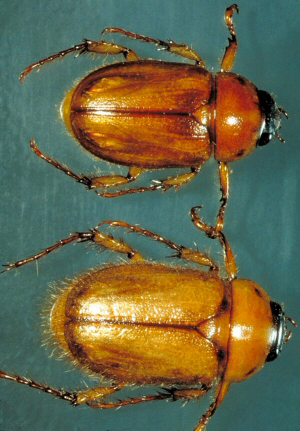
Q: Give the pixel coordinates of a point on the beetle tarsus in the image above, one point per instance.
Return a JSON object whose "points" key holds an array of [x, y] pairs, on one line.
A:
{"points": [[60, 393]]}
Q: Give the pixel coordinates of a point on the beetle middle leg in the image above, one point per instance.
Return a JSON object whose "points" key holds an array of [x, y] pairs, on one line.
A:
{"points": [[171, 46], [181, 251]]}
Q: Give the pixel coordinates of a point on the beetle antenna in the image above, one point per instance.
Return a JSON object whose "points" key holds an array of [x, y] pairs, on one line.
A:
{"points": [[292, 321], [280, 138], [289, 335], [284, 113]]}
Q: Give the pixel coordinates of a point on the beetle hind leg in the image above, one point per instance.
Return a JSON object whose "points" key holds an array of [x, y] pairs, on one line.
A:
{"points": [[109, 181], [89, 181], [59, 393], [163, 185], [94, 47], [173, 394], [94, 236], [94, 397], [171, 46]]}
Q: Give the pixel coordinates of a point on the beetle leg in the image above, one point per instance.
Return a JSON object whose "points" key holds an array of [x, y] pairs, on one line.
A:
{"points": [[106, 181], [231, 49], [181, 251], [224, 187], [101, 47], [80, 179], [60, 393], [129, 401], [172, 393], [171, 46], [220, 395], [94, 235], [162, 185], [94, 397], [213, 231], [188, 394], [229, 259], [109, 242], [114, 181], [90, 182]]}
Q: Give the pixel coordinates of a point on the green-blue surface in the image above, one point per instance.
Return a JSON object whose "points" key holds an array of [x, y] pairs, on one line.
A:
{"points": [[40, 205]]}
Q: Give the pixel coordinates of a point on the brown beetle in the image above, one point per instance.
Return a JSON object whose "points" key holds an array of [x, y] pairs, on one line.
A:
{"points": [[182, 329], [147, 114]]}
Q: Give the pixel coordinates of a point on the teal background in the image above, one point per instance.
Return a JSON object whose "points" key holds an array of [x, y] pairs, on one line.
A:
{"points": [[40, 205]]}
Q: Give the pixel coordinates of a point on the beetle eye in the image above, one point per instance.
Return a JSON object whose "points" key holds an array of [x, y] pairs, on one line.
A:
{"points": [[279, 330], [264, 139], [272, 117]]}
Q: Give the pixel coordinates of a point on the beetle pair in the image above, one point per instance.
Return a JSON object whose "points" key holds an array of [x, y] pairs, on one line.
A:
{"points": [[189, 344]]}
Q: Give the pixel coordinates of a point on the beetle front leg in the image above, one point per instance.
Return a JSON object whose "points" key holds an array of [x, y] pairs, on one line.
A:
{"points": [[219, 397], [213, 231], [224, 188], [231, 49], [171, 46], [229, 259], [101, 47]]}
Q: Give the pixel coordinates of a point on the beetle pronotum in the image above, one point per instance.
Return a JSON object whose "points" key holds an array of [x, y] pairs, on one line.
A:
{"points": [[147, 114], [148, 324]]}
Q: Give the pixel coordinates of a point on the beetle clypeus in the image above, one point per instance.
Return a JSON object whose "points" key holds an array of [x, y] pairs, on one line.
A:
{"points": [[147, 114], [147, 324]]}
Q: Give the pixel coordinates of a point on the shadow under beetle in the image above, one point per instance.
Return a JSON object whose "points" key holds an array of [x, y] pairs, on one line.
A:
{"points": [[147, 114], [151, 324]]}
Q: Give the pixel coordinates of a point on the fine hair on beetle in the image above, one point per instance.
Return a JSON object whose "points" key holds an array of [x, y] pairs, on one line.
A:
{"points": [[56, 351]]}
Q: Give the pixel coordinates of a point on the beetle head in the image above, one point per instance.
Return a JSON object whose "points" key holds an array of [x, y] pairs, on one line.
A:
{"points": [[272, 116], [280, 335]]}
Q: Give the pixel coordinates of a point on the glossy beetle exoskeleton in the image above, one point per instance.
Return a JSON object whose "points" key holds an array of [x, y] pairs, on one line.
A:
{"points": [[147, 114], [148, 324]]}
